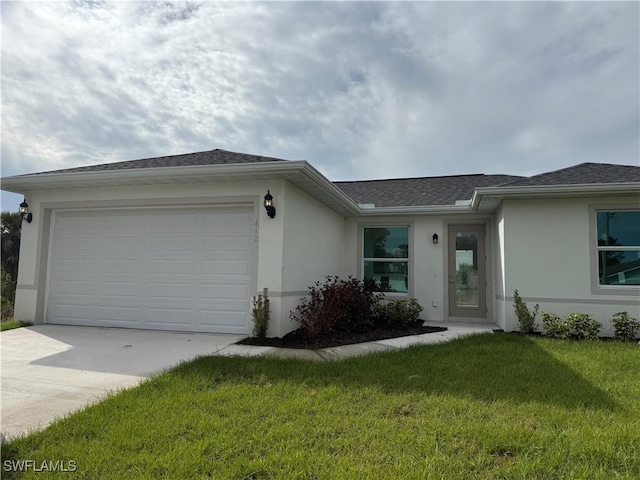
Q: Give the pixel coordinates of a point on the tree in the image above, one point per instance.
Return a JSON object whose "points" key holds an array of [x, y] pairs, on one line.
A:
{"points": [[10, 225]]}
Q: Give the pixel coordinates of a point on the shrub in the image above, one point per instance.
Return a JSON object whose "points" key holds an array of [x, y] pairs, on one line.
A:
{"points": [[400, 313], [260, 314], [553, 326], [626, 327], [575, 326], [582, 327], [337, 305], [526, 317]]}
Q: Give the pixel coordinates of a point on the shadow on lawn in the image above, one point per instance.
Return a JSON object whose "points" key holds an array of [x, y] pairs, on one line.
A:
{"points": [[483, 367]]}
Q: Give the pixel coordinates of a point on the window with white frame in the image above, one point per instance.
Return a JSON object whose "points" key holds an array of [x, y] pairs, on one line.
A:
{"points": [[618, 246], [386, 258]]}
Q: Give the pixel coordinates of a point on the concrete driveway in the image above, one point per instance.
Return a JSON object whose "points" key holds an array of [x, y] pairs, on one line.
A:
{"points": [[48, 371]]}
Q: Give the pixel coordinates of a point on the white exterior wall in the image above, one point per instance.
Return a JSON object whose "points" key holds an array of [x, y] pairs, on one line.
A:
{"points": [[312, 248], [32, 274], [548, 252]]}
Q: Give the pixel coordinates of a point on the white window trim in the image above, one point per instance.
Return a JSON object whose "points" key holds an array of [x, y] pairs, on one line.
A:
{"points": [[408, 260], [596, 287]]}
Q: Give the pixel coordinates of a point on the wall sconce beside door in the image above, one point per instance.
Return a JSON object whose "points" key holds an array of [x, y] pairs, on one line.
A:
{"points": [[268, 205], [435, 238], [24, 212]]}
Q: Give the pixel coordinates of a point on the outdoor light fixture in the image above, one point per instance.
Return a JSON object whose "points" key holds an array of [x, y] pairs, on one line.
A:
{"points": [[24, 211], [268, 205], [435, 238]]}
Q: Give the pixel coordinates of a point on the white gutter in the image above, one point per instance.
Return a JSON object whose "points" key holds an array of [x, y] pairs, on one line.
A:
{"points": [[293, 171], [551, 190], [20, 183], [416, 210]]}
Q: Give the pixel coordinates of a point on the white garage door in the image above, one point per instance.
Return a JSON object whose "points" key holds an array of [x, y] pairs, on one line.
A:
{"points": [[162, 269]]}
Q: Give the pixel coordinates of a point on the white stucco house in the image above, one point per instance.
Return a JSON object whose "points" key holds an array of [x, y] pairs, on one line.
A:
{"points": [[184, 242]]}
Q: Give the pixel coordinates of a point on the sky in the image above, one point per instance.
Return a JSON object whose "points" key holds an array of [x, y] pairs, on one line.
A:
{"points": [[361, 90]]}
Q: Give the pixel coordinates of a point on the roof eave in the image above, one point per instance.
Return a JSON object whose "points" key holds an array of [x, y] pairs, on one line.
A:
{"points": [[155, 175], [416, 210], [537, 191], [299, 172]]}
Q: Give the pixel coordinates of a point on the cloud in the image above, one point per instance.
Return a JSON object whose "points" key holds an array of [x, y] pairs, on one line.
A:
{"points": [[361, 90]]}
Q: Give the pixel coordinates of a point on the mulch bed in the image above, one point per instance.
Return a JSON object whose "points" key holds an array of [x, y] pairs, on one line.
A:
{"points": [[297, 339]]}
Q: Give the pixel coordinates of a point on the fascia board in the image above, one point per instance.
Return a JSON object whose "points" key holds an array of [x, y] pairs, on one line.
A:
{"points": [[328, 189], [417, 210], [198, 173], [532, 191], [294, 171]]}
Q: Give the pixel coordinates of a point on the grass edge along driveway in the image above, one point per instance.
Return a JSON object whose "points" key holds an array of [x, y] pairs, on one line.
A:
{"points": [[487, 406]]}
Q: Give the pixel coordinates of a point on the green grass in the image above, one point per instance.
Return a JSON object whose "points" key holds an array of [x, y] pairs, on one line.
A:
{"points": [[11, 324], [487, 407]]}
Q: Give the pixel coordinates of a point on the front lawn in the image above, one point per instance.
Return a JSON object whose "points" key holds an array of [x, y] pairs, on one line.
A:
{"points": [[488, 406]]}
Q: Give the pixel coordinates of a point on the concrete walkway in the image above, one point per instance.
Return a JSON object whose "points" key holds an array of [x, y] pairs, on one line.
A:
{"points": [[337, 353], [48, 371]]}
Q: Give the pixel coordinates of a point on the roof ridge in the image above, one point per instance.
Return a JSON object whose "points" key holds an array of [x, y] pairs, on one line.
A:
{"points": [[431, 177]]}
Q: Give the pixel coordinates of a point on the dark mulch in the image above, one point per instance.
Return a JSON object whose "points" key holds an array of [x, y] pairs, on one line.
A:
{"points": [[297, 339]]}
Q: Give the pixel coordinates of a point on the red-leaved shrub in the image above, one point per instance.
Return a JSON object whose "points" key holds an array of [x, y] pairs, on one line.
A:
{"points": [[345, 305]]}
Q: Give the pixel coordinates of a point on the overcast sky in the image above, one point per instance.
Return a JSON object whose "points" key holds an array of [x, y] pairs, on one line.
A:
{"points": [[360, 90]]}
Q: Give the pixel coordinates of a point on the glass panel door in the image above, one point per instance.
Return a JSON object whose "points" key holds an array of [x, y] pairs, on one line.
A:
{"points": [[467, 281]]}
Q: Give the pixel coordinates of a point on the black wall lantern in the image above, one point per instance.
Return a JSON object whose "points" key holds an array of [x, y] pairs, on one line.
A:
{"points": [[268, 205], [24, 211], [435, 238]]}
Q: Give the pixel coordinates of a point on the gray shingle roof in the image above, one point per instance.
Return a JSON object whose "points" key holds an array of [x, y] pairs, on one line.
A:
{"points": [[399, 192], [402, 192], [213, 157], [583, 174]]}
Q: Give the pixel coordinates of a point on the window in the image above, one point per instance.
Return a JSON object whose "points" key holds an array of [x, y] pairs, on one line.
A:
{"points": [[618, 247], [386, 258]]}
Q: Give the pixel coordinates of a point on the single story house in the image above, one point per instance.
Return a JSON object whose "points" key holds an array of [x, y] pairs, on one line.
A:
{"points": [[184, 242]]}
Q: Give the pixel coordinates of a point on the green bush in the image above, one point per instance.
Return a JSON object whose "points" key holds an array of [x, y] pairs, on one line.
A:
{"points": [[345, 305], [526, 317], [582, 326], [260, 314], [553, 326], [575, 326], [400, 313], [626, 327]]}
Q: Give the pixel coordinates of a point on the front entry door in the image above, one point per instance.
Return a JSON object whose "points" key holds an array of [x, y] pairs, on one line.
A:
{"points": [[467, 272]]}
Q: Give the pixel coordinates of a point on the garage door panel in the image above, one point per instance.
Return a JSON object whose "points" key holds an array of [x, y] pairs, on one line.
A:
{"points": [[183, 222], [226, 267], [76, 265], [130, 245], [79, 245], [169, 291], [174, 317], [223, 292], [77, 223], [174, 246], [66, 288], [116, 313], [153, 269], [226, 244], [73, 311], [121, 289], [172, 266]]}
